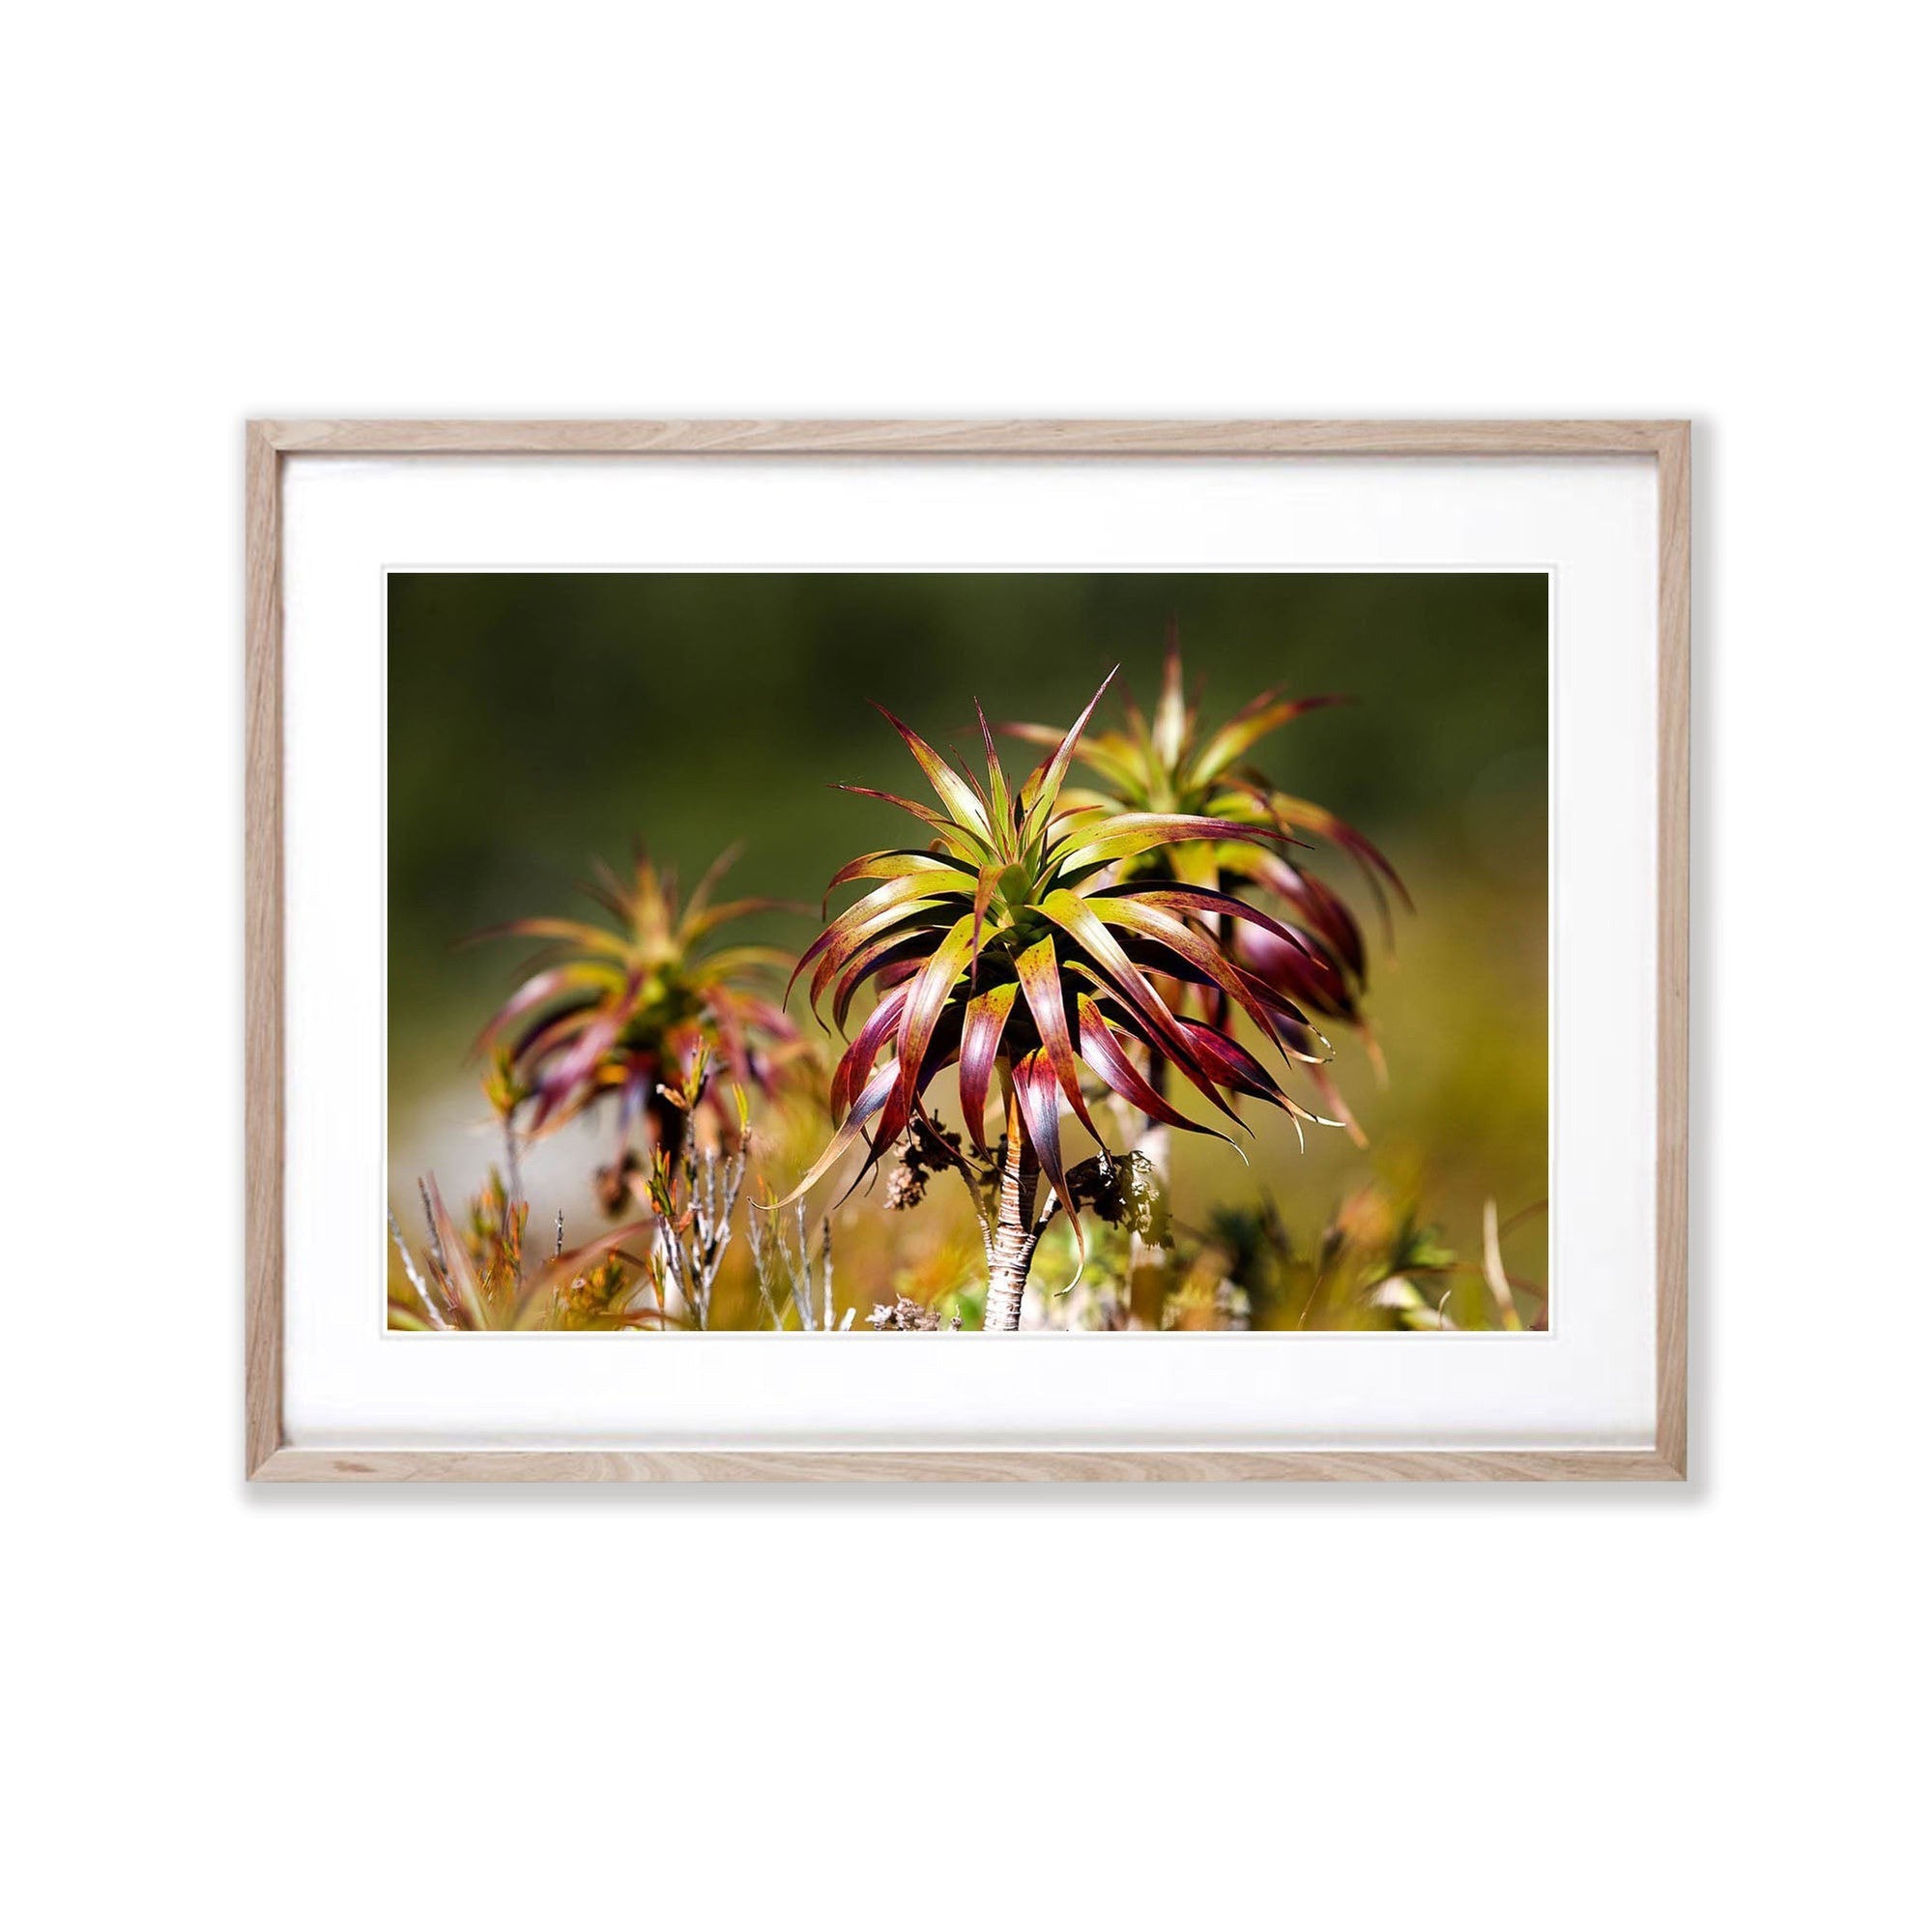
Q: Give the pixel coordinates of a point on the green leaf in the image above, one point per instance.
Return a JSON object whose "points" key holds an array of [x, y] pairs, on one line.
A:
{"points": [[1126, 833], [1101, 1049], [1036, 1087], [961, 841], [1136, 916], [999, 798], [955, 793], [1244, 729], [926, 999], [1052, 773], [1170, 713]]}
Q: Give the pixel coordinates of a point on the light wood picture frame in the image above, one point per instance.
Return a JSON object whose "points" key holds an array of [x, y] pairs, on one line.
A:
{"points": [[270, 1457]]}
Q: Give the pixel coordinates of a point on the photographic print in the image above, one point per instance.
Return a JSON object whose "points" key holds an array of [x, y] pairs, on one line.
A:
{"points": [[866, 952]]}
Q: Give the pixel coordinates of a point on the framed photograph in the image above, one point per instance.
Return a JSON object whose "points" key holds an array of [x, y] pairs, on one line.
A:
{"points": [[960, 951]]}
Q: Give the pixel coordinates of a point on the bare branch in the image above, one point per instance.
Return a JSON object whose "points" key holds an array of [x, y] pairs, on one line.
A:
{"points": [[826, 1262], [436, 1253], [513, 1192], [416, 1281]]}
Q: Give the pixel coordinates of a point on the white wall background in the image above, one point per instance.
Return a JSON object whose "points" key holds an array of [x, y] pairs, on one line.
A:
{"points": [[916, 1710]]}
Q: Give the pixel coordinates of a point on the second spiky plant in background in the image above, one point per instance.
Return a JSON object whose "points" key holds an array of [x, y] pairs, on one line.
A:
{"points": [[1171, 762]]}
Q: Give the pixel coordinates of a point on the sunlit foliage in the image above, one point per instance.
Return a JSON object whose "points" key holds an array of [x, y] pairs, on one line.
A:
{"points": [[1172, 764], [1011, 943]]}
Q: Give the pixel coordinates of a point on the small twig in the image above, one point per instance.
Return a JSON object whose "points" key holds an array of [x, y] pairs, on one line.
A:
{"points": [[1493, 1268], [761, 1235], [936, 1146], [513, 1165], [513, 1193], [800, 1272], [692, 1238], [826, 1262], [436, 1253], [808, 1279], [415, 1280]]}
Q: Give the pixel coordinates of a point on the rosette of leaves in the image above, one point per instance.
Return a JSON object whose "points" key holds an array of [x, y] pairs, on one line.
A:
{"points": [[611, 1015], [1012, 947], [1172, 764]]}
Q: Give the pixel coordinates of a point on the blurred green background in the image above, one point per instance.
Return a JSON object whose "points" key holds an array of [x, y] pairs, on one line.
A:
{"points": [[539, 721]]}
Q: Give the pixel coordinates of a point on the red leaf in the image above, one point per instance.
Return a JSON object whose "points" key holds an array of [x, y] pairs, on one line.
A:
{"points": [[1338, 832], [897, 946], [1199, 899], [1122, 977], [852, 1070], [1104, 1053], [1039, 970], [1135, 916], [925, 999], [1037, 1089], [1236, 1068], [855, 926], [1127, 833], [871, 1102], [979, 1049]]}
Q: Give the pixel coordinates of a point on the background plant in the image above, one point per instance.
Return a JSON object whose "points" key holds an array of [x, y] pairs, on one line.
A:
{"points": [[1172, 763], [611, 1016]]}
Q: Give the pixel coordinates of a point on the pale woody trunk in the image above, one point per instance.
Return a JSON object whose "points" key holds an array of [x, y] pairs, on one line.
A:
{"points": [[1149, 1266], [1013, 1235]]}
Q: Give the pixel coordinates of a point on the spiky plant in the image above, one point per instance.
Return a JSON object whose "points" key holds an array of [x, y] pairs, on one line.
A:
{"points": [[477, 1275], [613, 1015], [1010, 947], [1172, 764]]}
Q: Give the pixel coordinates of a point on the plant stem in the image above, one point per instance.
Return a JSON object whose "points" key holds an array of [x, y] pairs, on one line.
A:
{"points": [[513, 1190], [1014, 1234], [1149, 1266], [1156, 1140]]}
